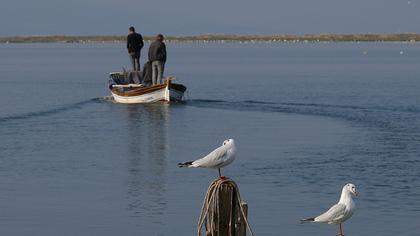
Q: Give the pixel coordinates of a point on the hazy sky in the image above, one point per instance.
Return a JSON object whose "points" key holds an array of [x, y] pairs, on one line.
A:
{"points": [[189, 17]]}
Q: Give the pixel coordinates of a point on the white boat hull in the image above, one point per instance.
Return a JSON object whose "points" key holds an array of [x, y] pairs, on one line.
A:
{"points": [[165, 92], [155, 96]]}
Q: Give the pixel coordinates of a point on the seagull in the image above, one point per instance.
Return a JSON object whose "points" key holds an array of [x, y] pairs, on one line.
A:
{"points": [[341, 211], [218, 158]]}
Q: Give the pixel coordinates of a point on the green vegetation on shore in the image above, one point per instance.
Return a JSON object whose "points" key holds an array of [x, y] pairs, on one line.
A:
{"points": [[221, 37]]}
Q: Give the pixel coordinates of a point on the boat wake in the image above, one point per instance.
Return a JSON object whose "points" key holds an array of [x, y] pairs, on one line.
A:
{"points": [[374, 116], [53, 111], [265, 105], [394, 118], [106, 99]]}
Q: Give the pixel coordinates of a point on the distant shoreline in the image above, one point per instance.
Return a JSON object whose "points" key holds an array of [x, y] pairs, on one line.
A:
{"points": [[409, 37]]}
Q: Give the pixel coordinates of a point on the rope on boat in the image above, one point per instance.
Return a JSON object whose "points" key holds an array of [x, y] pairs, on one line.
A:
{"points": [[210, 206]]}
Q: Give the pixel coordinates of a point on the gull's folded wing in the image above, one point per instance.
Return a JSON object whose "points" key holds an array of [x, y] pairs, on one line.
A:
{"points": [[213, 159], [334, 213]]}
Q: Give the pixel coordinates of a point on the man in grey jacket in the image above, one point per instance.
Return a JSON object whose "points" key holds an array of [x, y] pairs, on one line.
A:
{"points": [[157, 56]]}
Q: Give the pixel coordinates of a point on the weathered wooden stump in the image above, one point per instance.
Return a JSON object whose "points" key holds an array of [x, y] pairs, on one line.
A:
{"points": [[224, 213], [241, 225]]}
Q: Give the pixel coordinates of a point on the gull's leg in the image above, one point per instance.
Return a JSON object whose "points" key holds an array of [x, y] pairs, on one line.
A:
{"points": [[341, 231], [220, 175]]}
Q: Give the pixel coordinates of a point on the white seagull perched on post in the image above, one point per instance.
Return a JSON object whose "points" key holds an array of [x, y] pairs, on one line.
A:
{"points": [[341, 211], [218, 158]]}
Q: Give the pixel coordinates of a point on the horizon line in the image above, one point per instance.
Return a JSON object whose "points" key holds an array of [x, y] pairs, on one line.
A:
{"points": [[393, 37]]}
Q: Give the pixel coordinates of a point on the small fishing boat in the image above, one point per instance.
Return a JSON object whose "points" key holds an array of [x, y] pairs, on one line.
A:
{"points": [[124, 92]]}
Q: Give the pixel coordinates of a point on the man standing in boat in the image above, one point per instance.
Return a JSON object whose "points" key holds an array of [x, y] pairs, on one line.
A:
{"points": [[157, 56], [134, 46]]}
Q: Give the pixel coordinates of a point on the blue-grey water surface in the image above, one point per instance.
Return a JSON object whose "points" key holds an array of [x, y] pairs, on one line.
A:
{"points": [[307, 118]]}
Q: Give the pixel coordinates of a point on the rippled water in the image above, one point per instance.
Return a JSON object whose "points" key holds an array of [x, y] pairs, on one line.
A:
{"points": [[307, 118]]}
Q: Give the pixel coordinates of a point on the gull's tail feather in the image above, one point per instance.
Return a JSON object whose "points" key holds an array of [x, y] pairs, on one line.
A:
{"points": [[185, 164], [312, 219]]}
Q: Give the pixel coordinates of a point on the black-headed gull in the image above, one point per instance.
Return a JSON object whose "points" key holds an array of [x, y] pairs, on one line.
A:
{"points": [[341, 211], [218, 158]]}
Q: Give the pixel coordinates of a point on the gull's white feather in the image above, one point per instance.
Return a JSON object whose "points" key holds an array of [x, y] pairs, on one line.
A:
{"points": [[218, 158], [341, 211], [335, 214]]}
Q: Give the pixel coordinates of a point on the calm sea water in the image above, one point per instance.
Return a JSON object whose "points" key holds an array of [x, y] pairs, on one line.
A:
{"points": [[307, 118]]}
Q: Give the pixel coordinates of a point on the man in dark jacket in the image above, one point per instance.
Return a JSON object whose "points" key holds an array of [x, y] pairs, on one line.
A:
{"points": [[134, 46], [157, 56]]}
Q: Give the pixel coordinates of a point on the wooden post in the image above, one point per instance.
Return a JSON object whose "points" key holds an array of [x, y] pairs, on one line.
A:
{"points": [[241, 225], [227, 219]]}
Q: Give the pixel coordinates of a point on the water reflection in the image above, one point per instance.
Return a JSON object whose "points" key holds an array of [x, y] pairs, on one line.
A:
{"points": [[148, 149]]}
